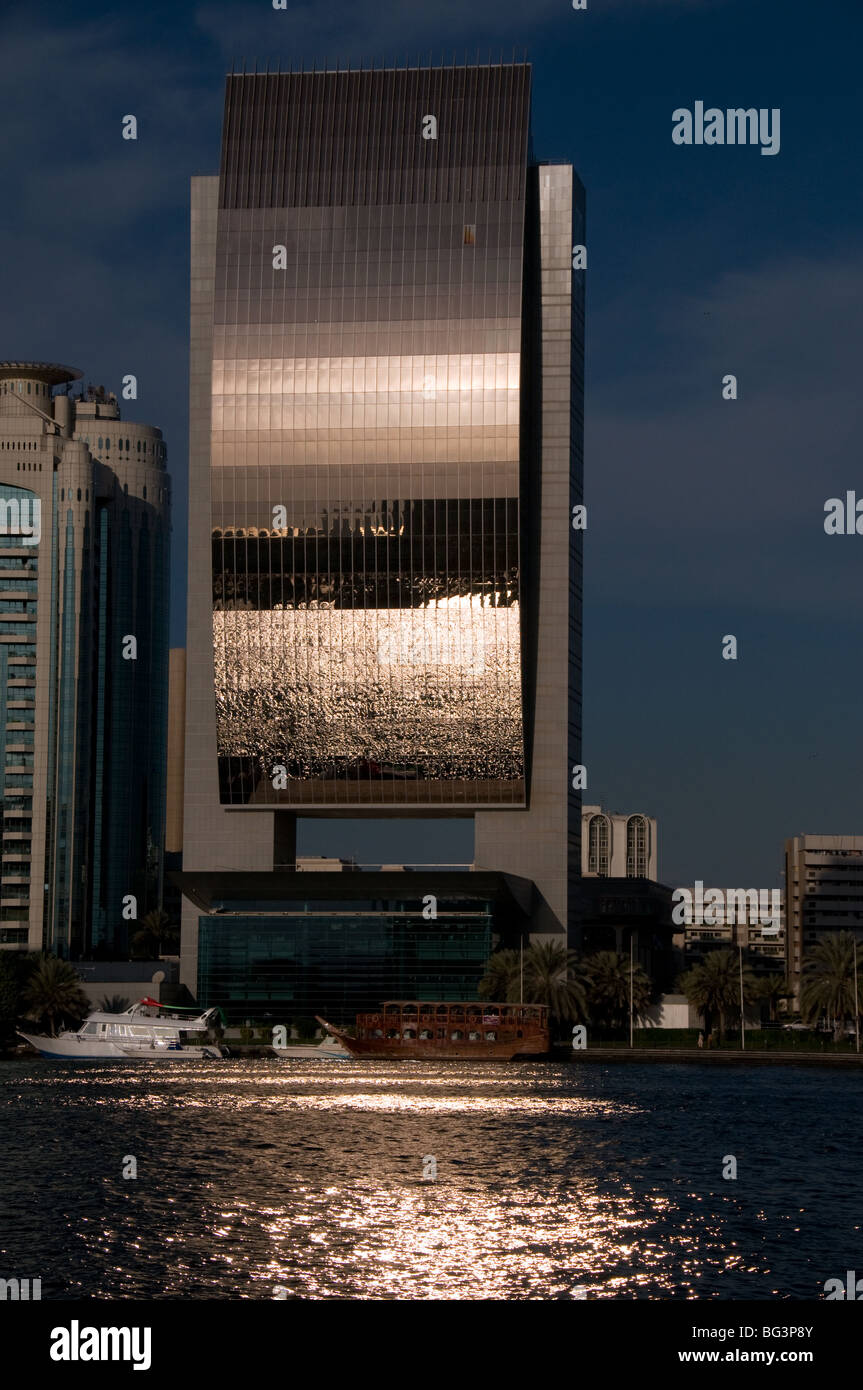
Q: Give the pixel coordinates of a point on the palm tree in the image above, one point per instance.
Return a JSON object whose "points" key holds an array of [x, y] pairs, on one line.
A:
{"points": [[771, 988], [501, 979], [113, 1004], [552, 977], [157, 934], [608, 988], [828, 979], [713, 987], [53, 993], [15, 969]]}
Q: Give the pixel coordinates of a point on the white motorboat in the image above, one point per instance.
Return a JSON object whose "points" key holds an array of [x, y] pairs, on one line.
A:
{"points": [[145, 1032], [330, 1050]]}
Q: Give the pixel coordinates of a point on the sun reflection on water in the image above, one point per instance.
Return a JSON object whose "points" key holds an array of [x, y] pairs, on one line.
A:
{"points": [[305, 1180]]}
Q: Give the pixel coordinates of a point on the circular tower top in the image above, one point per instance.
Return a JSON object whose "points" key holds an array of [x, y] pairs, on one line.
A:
{"points": [[51, 373]]}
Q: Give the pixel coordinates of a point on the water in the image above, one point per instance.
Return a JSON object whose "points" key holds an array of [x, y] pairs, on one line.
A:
{"points": [[299, 1179]]}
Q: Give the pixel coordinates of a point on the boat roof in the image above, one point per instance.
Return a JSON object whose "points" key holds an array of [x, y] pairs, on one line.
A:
{"points": [[169, 1020], [456, 1004]]}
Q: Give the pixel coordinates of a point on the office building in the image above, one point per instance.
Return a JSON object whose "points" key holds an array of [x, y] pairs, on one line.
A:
{"points": [[386, 421], [823, 892], [84, 536], [753, 919]]}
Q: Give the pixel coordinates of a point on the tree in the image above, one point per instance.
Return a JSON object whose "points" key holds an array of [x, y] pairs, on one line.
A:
{"points": [[501, 979], [552, 977], [828, 980], [15, 968], [771, 988], [157, 935], [53, 993], [713, 987], [607, 979], [113, 1004]]}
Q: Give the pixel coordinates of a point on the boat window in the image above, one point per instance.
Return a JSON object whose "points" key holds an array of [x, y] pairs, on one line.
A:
{"points": [[378, 1033], [409, 1033], [441, 1008], [425, 1033], [409, 1009], [392, 1032], [89, 1028], [519, 1033], [456, 1013], [491, 1037], [473, 1037], [441, 1032], [457, 1035]]}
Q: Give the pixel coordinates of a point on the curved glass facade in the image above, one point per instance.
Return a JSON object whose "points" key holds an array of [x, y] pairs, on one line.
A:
{"points": [[365, 474]]}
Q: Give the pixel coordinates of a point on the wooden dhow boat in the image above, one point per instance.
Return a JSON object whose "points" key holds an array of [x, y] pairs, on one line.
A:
{"points": [[418, 1030]]}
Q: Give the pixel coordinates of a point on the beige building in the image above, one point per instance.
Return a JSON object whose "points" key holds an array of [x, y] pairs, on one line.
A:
{"points": [[741, 920], [618, 846], [824, 891], [84, 504]]}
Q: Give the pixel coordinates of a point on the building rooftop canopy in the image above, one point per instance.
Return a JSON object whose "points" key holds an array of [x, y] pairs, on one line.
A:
{"points": [[52, 372]]}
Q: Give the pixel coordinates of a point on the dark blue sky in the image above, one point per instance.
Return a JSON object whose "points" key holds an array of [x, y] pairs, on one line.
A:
{"points": [[706, 517]]}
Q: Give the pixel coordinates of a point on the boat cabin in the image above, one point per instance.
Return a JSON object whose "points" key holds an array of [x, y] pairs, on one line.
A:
{"points": [[432, 1022]]}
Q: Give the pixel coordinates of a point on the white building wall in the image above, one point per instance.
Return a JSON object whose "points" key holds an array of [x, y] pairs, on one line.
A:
{"points": [[619, 831]]}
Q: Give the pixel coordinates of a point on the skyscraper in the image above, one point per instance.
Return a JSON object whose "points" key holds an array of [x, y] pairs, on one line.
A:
{"points": [[823, 894], [83, 663], [384, 581]]}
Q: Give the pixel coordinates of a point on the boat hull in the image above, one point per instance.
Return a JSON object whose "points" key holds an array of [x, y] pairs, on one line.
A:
{"points": [[443, 1050], [313, 1054], [76, 1049]]}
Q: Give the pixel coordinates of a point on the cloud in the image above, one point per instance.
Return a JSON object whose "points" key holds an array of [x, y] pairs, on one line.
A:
{"points": [[387, 30], [64, 91], [731, 493]]}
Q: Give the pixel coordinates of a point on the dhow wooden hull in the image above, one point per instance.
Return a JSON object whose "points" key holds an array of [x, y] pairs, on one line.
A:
{"points": [[444, 1050]]}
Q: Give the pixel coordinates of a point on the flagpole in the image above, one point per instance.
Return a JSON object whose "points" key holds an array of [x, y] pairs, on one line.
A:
{"points": [[742, 1023], [856, 1010], [631, 944], [521, 975]]}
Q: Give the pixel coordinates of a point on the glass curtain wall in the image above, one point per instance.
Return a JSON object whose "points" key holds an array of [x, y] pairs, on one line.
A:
{"points": [[365, 438]]}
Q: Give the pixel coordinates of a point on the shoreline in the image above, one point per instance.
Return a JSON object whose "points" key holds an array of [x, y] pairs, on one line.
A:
{"points": [[717, 1057]]}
